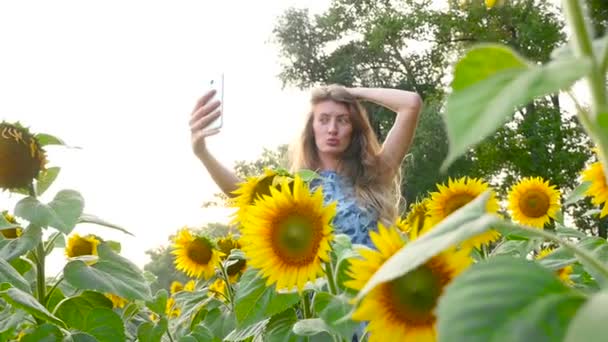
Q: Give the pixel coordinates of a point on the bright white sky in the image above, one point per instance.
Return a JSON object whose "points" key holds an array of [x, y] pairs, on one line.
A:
{"points": [[120, 78]]}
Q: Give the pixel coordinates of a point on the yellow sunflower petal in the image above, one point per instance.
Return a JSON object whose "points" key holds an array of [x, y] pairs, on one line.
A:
{"points": [[599, 187]]}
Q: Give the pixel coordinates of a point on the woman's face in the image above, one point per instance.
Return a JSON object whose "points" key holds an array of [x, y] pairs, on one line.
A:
{"points": [[332, 127]]}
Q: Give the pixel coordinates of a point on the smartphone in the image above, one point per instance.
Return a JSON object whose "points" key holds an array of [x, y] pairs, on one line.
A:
{"points": [[217, 82]]}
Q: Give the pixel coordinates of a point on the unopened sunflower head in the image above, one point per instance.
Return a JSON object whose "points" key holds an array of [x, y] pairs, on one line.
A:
{"points": [[195, 254], [534, 202], [417, 221], [10, 233], [21, 156], [176, 287], [81, 245], [288, 235], [171, 309], [402, 309], [226, 245], [455, 195]]}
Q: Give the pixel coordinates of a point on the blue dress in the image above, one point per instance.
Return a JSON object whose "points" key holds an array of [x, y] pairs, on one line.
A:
{"points": [[350, 219]]}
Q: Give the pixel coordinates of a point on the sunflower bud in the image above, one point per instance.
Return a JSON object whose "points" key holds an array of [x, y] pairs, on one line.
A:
{"points": [[10, 233], [21, 156]]}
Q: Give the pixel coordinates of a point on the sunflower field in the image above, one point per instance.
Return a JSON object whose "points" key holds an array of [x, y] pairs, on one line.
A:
{"points": [[462, 264]]}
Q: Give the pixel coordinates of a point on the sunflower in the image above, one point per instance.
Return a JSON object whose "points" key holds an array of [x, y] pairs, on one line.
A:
{"points": [[81, 245], [599, 188], [10, 233], [190, 286], [172, 310], [226, 245], [250, 190], [533, 202], [417, 220], [288, 234], [402, 309], [117, 301], [176, 287], [21, 156], [218, 289], [195, 255], [563, 273], [455, 195]]}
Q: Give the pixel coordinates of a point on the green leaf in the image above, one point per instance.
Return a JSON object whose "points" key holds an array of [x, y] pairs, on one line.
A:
{"points": [[200, 333], [335, 312], [46, 179], [569, 232], [577, 194], [44, 333], [80, 337], [254, 301], [159, 303], [557, 259], [47, 139], [307, 175], [280, 328], [9, 275], [68, 206], [255, 329], [11, 249], [89, 218], [513, 300], [483, 100], [219, 322], [29, 304], [74, 309], [10, 319], [598, 247], [466, 222], [61, 213], [102, 323], [111, 274], [310, 326], [152, 332], [590, 320]]}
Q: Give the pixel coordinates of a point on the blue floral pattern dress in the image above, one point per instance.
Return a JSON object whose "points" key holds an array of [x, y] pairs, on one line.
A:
{"points": [[351, 219]]}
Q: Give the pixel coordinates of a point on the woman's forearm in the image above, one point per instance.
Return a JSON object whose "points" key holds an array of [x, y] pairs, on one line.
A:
{"points": [[225, 178], [396, 100]]}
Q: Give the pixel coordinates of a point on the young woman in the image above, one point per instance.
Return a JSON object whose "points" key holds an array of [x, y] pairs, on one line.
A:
{"points": [[358, 172]]}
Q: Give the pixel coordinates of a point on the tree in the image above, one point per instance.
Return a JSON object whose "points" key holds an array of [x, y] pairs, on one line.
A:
{"points": [[412, 44]]}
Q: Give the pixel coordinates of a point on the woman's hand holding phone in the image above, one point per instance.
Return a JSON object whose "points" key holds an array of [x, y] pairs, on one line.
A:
{"points": [[206, 111]]}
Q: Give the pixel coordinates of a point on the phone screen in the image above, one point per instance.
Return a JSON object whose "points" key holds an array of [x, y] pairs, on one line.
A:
{"points": [[217, 83]]}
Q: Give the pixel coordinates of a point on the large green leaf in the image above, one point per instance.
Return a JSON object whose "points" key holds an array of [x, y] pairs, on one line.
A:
{"points": [[111, 274], [152, 332], [159, 303], [577, 194], [598, 247], [9, 275], [13, 248], [466, 222], [280, 328], [29, 304], [79, 337], [89, 218], [589, 324], [255, 301], [506, 299], [311, 326], [335, 312], [46, 179], [102, 323], [490, 82], [9, 319], [73, 310], [43, 333], [200, 333], [62, 212], [220, 322]]}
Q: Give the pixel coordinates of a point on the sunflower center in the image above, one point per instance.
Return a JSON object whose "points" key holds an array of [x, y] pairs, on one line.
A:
{"points": [[534, 203], [455, 202], [82, 247], [413, 296], [295, 239], [236, 267], [199, 251]]}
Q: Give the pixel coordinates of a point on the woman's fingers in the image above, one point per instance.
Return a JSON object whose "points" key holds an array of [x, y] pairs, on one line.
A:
{"points": [[203, 100], [204, 111], [203, 121]]}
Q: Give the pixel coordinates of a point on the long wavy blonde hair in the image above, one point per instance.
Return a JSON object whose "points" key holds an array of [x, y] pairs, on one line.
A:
{"points": [[360, 161]]}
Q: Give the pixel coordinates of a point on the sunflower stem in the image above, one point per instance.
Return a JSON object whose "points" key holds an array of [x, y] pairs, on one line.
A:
{"points": [[48, 295], [228, 286], [581, 253], [306, 305], [40, 279], [169, 334], [331, 280]]}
